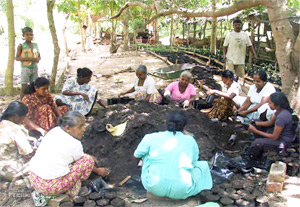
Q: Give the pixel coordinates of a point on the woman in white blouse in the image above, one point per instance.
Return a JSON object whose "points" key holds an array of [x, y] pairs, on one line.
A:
{"points": [[60, 164], [256, 104], [144, 87]]}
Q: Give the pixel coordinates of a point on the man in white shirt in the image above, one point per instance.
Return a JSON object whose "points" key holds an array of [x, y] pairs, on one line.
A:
{"points": [[234, 49]]}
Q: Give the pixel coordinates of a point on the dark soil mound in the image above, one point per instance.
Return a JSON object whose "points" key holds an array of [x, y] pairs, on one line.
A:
{"points": [[116, 153], [177, 57], [201, 72]]}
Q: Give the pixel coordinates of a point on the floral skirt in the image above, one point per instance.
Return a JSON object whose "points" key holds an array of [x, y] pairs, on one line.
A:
{"points": [[69, 183], [78, 103], [154, 97], [222, 110]]}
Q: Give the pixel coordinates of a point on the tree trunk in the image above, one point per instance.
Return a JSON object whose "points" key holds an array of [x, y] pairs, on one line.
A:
{"points": [[172, 31], [188, 35], [213, 36], [267, 37], [200, 32], [80, 27], [195, 29], [112, 34], [258, 39], [204, 28], [285, 43], [156, 32], [251, 38], [126, 30], [134, 36], [295, 93], [11, 48], [183, 30], [50, 4], [221, 36], [64, 34]]}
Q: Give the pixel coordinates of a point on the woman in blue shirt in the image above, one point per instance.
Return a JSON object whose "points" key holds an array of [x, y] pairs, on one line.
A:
{"points": [[170, 161]]}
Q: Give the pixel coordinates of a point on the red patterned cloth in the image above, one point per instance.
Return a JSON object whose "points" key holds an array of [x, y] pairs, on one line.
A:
{"points": [[40, 110]]}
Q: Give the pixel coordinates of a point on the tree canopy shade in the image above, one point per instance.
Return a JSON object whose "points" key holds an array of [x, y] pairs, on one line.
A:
{"points": [[287, 43]]}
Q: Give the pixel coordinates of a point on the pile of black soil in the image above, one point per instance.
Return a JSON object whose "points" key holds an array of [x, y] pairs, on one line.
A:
{"points": [[201, 72], [177, 57], [116, 153]]}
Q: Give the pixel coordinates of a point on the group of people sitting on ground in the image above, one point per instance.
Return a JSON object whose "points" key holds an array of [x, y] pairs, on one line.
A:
{"points": [[179, 91], [56, 169], [170, 158]]}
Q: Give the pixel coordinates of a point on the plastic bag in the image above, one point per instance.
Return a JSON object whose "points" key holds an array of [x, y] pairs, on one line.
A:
{"points": [[219, 170], [220, 160], [220, 175], [98, 185]]}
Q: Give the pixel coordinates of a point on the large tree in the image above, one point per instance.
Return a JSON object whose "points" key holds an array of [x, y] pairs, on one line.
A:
{"points": [[50, 5], [11, 48], [287, 44]]}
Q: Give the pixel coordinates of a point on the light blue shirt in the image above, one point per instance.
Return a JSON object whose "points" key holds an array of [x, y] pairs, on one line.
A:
{"points": [[171, 167]]}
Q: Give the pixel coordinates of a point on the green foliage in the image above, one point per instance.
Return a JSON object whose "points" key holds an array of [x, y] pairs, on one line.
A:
{"points": [[27, 21], [44, 28], [3, 6], [66, 6], [294, 5], [71, 6]]}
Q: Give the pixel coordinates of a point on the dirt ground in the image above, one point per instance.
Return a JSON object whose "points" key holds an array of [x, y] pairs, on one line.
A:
{"points": [[114, 74]]}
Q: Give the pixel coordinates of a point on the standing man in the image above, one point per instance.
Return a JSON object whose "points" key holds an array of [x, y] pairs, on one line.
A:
{"points": [[234, 49]]}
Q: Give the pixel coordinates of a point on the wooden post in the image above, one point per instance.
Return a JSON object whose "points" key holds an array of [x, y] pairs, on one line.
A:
{"points": [[195, 29], [258, 39], [251, 38], [183, 30], [172, 31], [213, 35], [80, 27], [188, 34], [204, 29]]}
